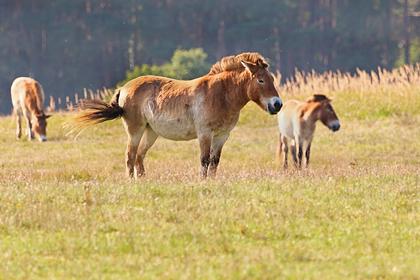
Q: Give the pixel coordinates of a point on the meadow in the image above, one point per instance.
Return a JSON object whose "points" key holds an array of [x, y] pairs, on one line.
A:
{"points": [[68, 211]]}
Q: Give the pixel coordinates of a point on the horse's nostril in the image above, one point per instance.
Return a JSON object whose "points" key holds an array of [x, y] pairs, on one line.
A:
{"points": [[277, 105]]}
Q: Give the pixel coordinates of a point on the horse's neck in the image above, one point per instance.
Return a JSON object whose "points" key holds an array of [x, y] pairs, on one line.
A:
{"points": [[34, 105], [236, 95], [314, 115], [39, 97]]}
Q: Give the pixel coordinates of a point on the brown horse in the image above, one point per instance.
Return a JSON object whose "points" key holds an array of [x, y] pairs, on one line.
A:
{"points": [[28, 100], [297, 121], [206, 108]]}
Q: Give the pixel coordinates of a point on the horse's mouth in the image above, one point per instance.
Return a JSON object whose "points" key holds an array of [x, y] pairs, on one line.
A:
{"points": [[273, 110], [42, 138], [335, 127]]}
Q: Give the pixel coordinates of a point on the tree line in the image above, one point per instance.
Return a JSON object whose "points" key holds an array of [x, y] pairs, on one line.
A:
{"points": [[71, 45]]}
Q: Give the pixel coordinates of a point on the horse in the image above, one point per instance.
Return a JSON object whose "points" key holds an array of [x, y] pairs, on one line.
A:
{"points": [[296, 122], [206, 108], [28, 100]]}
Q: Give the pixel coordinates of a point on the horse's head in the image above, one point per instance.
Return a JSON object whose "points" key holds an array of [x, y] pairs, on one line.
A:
{"points": [[40, 126], [327, 114], [261, 88]]}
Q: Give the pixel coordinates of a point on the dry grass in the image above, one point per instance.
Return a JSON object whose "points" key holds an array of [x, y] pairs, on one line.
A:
{"points": [[67, 210]]}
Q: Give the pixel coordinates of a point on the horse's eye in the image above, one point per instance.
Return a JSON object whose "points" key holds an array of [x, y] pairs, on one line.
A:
{"points": [[260, 81]]}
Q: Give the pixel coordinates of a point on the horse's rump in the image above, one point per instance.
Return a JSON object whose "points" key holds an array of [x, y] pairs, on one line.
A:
{"points": [[28, 93]]}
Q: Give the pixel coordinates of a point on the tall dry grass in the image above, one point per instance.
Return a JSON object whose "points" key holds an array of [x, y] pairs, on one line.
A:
{"points": [[401, 79]]}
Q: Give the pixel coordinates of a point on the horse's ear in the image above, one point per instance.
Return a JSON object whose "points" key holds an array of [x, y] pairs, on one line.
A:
{"points": [[262, 63], [251, 67], [318, 98], [43, 115]]}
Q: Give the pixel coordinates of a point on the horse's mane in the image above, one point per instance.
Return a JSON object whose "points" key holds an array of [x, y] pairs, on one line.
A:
{"points": [[40, 96], [233, 62], [318, 98]]}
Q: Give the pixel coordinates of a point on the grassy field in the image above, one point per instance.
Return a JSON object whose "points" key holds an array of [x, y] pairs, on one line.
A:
{"points": [[68, 211]]}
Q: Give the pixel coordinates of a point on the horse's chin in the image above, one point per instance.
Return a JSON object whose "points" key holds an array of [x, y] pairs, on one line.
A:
{"points": [[334, 129]]}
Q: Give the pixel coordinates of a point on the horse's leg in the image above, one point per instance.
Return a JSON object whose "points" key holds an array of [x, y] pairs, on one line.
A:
{"points": [[205, 144], [279, 147], [285, 146], [29, 125], [134, 134], [300, 155], [307, 154], [294, 153], [147, 140], [299, 150], [215, 152], [18, 114]]}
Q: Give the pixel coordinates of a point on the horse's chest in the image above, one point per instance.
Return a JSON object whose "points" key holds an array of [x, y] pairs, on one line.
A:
{"points": [[220, 123]]}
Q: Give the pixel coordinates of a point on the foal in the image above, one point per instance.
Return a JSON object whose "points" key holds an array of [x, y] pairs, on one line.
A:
{"points": [[28, 101], [297, 121]]}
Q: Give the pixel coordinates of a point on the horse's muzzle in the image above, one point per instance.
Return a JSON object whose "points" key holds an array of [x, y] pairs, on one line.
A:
{"points": [[335, 126], [274, 106]]}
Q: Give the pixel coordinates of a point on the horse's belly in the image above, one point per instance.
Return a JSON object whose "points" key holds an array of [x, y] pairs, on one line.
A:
{"points": [[174, 129], [285, 126]]}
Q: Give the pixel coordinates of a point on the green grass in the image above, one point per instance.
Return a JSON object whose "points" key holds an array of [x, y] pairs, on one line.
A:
{"points": [[67, 210]]}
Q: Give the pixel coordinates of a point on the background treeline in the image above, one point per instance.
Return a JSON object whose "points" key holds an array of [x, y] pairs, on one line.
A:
{"points": [[71, 45]]}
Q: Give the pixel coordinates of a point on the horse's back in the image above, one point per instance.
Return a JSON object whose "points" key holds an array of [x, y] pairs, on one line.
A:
{"points": [[167, 105], [161, 91], [25, 89], [135, 90]]}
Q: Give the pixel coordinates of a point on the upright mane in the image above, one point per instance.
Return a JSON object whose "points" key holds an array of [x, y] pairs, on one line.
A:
{"points": [[233, 62], [318, 98]]}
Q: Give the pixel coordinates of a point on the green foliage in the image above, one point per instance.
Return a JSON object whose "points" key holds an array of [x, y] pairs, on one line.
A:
{"points": [[414, 53], [184, 65], [143, 70], [189, 64]]}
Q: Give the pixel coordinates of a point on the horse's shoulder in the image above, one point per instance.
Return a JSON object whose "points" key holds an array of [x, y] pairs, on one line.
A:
{"points": [[302, 108], [307, 108]]}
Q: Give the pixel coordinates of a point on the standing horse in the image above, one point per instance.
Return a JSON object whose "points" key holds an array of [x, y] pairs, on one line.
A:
{"points": [[28, 100], [297, 121], [206, 108]]}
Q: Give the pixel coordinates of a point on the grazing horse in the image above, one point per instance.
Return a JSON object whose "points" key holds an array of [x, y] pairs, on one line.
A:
{"points": [[297, 121], [206, 108], [28, 100]]}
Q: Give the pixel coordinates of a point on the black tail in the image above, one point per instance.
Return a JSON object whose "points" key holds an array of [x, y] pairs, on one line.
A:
{"points": [[94, 111]]}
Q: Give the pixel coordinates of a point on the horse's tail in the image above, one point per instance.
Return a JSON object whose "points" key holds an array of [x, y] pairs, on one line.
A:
{"points": [[94, 111]]}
